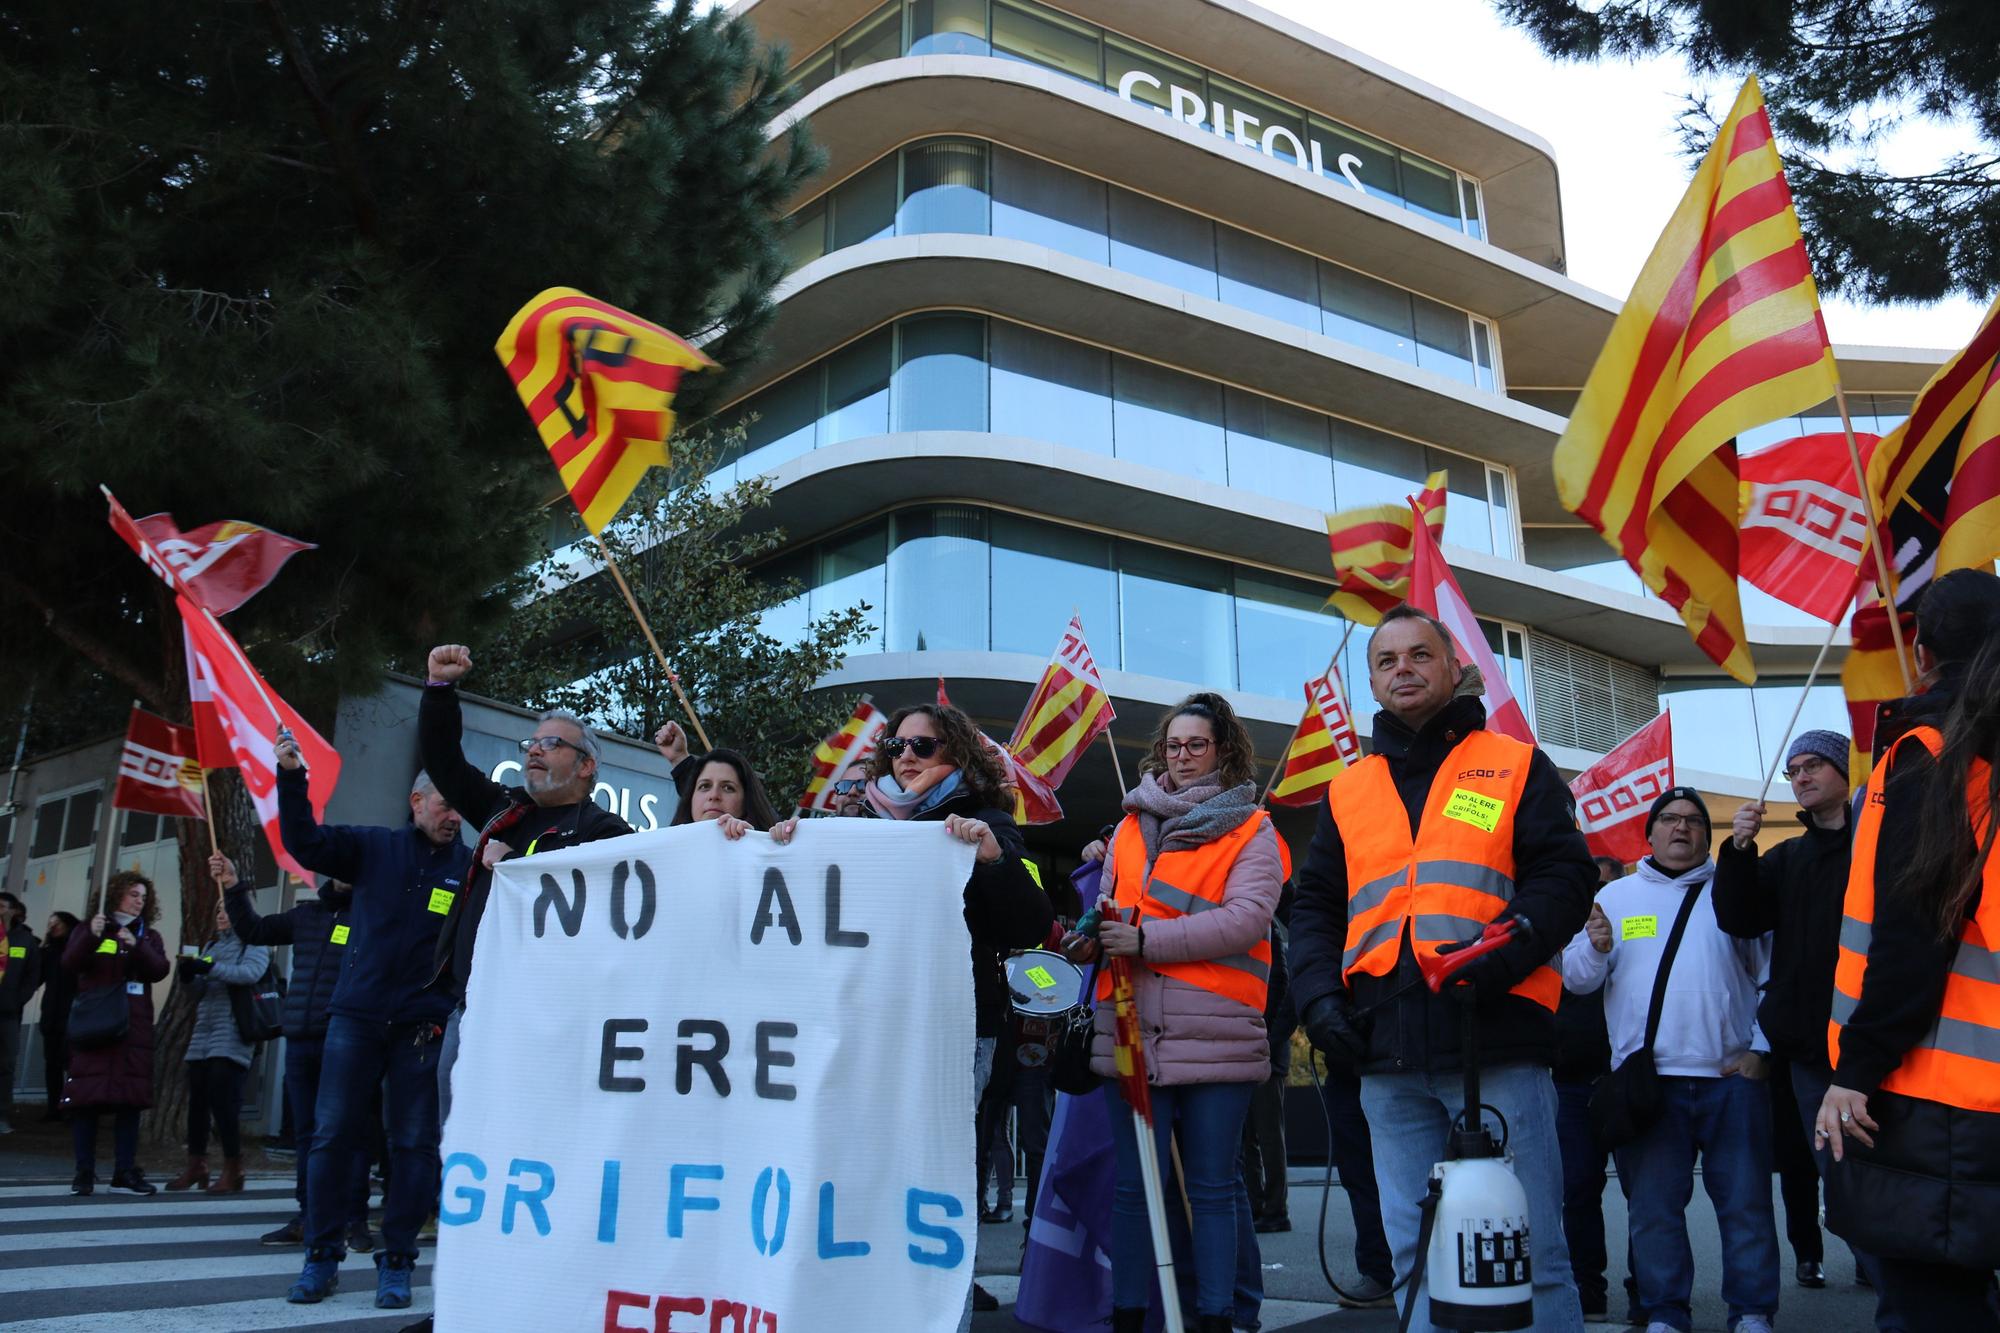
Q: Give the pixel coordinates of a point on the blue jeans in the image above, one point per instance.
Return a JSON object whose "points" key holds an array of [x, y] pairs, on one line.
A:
{"points": [[303, 1058], [1727, 1121], [1809, 1086], [1409, 1116], [1206, 1121], [1354, 1155], [358, 1057]]}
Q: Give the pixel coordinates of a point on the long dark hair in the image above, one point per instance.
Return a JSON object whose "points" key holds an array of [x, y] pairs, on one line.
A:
{"points": [[978, 767], [1959, 623], [68, 919], [1236, 757], [757, 808]]}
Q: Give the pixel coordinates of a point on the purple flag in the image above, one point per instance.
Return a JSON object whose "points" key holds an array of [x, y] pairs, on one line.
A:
{"points": [[1066, 1268]]}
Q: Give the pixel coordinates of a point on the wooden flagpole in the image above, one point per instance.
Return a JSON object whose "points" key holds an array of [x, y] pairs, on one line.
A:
{"points": [[1882, 573], [1116, 767], [673, 678]]}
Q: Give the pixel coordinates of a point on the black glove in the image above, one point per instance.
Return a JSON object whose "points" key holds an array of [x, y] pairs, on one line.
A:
{"points": [[1336, 1030], [191, 967]]}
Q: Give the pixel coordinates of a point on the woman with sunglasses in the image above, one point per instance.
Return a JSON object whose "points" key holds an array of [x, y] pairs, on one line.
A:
{"points": [[1192, 876]]}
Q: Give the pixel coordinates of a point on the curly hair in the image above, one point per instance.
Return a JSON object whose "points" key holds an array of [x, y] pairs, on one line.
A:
{"points": [[1236, 757], [757, 809], [979, 767], [114, 894]]}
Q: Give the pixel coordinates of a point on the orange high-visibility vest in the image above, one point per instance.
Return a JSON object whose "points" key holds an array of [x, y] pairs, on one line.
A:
{"points": [[1186, 882], [1958, 1061], [1449, 881]]}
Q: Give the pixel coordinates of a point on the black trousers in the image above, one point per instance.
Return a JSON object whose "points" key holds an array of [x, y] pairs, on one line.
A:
{"points": [[55, 1063], [215, 1093], [1938, 1296], [1263, 1158], [1798, 1176]]}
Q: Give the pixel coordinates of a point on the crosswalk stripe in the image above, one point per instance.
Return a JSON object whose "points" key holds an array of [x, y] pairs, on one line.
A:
{"points": [[59, 1189], [128, 1236], [347, 1305], [198, 1207], [269, 1263]]}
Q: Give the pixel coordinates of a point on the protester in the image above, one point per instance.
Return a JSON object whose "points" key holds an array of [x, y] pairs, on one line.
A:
{"points": [[1711, 1071], [1194, 874], [20, 974], [116, 950], [58, 990], [1793, 893], [1912, 1116], [1583, 1055], [721, 785], [218, 1054], [935, 766], [1356, 932], [383, 1023], [320, 931], [850, 791]]}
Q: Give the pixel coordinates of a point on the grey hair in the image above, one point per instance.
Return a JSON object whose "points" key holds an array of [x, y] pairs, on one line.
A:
{"points": [[422, 784], [589, 741]]}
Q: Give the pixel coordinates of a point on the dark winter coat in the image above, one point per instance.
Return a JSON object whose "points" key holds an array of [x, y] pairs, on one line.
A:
{"points": [[58, 990], [500, 812], [120, 1074], [24, 970], [309, 928], [1794, 891], [398, 876], [1414, 1029]]}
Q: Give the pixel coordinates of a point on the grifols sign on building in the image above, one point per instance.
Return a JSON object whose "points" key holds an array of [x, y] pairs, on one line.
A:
{"points": [[709, 1085]]}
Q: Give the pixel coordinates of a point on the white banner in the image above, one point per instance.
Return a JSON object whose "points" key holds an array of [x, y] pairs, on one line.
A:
{"points": [[716, 1087]]}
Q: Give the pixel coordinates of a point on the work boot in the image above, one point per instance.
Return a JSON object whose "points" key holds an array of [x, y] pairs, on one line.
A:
{"points": [[133, 1181], [292, 1233], [231, 1181], [194, 1178], [318, 1280], [392, 1281], [85, 1182], [1367, 1294]]}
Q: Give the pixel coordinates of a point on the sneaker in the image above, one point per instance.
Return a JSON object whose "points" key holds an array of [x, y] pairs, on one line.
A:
{"points": [[392, 1281], [319, 1279], [292, 1233], [360, 1240], [133, 1181], [1367, 1294], [84, 1183], [1753, 1323], [1811, 1273]]}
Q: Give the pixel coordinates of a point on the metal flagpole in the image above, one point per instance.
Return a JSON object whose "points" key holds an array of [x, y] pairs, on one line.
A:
{"points": [[673, 678], [1888, 582], [1771, 774], [1156, 1214]]}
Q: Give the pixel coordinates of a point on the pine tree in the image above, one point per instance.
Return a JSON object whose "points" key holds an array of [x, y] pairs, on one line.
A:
{"points": [[1839, 77]]}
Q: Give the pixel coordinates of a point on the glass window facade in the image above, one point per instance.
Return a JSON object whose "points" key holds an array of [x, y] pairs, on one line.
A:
{"points": [[970, 186], [947, 371], [1038, 35]]}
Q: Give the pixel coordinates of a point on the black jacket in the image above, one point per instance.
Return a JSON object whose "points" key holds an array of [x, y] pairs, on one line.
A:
{"points": [[59, 990], [1005, 909], [398, 876], [24, 970], [497, 811], [1793, 892], [1583, 1042], [1409, 1028], [310, 928]]}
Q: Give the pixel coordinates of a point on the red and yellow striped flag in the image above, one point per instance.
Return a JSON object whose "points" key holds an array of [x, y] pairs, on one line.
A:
{"points": [[1936, 477], [1323, 743], [1067, 711], [853, 743], [599, 384], [1372, 549], [1871, 677], [1128, 1055], [1722, 333]]}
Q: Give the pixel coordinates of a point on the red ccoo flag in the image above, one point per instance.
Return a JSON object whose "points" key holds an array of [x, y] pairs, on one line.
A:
{"points": [[219, 565], [1068, 710], [158, 773], [1433, 589], [1614, 795], [1805, 529], [235, 709]]}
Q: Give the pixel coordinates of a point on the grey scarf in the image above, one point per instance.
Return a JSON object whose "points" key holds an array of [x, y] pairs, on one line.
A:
{"points": [[1171, 820]]}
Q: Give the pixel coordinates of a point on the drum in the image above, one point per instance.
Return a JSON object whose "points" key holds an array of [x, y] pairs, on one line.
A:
{"points": [[1041, 984]]}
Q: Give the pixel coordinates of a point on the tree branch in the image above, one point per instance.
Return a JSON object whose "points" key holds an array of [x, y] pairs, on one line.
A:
{"points": [[347, 161], [101, 655]]}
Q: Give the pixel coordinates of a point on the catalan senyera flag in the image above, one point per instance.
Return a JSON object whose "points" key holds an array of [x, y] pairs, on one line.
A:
{"points": [[599, 384], [1936, 477], [1722, 333], [1128, 1055], [1371, 548], [1322, 744], [1870, 677], [1068, 710], [853, 743]]}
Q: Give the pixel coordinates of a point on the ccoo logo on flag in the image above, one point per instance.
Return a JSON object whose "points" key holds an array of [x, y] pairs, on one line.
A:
{"points": [[1626, 798]]}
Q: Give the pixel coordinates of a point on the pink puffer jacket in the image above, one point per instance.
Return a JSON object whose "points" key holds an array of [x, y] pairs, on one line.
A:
{"points": [[1192, 1035]]}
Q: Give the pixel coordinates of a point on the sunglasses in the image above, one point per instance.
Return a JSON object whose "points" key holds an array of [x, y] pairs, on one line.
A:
{"points": [[923, 747], [848, 786]]}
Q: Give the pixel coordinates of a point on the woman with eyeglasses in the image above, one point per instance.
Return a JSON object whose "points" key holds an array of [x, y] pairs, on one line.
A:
{"points": [[1192, 877]]}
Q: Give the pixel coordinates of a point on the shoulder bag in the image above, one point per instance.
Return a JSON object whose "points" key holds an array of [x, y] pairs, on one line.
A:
{"points": [[259, 1009], [1626, 1101]]}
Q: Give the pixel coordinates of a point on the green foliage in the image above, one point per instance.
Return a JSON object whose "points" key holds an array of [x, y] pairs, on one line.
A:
{"points": [[1839, 77], [689, 556], [256, 257]]}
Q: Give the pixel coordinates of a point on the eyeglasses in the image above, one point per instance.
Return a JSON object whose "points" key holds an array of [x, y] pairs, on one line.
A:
{"points": [[1679, 821], [534, 743], [1194, 748], [923, 747], [1805, 768]]}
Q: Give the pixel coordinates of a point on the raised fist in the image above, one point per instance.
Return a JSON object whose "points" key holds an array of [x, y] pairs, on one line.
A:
{"points": [[449, 661], [671, 742]]}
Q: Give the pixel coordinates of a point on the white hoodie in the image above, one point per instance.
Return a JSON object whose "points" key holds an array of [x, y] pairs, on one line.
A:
{"points": [[1709, 1015]]}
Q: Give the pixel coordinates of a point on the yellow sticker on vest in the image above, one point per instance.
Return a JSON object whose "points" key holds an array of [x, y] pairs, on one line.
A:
{"points": [[1639, 928], [108, 946], [1042, 977], [441, 901], [17, 951], [1469, 807], [339, 935]]}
